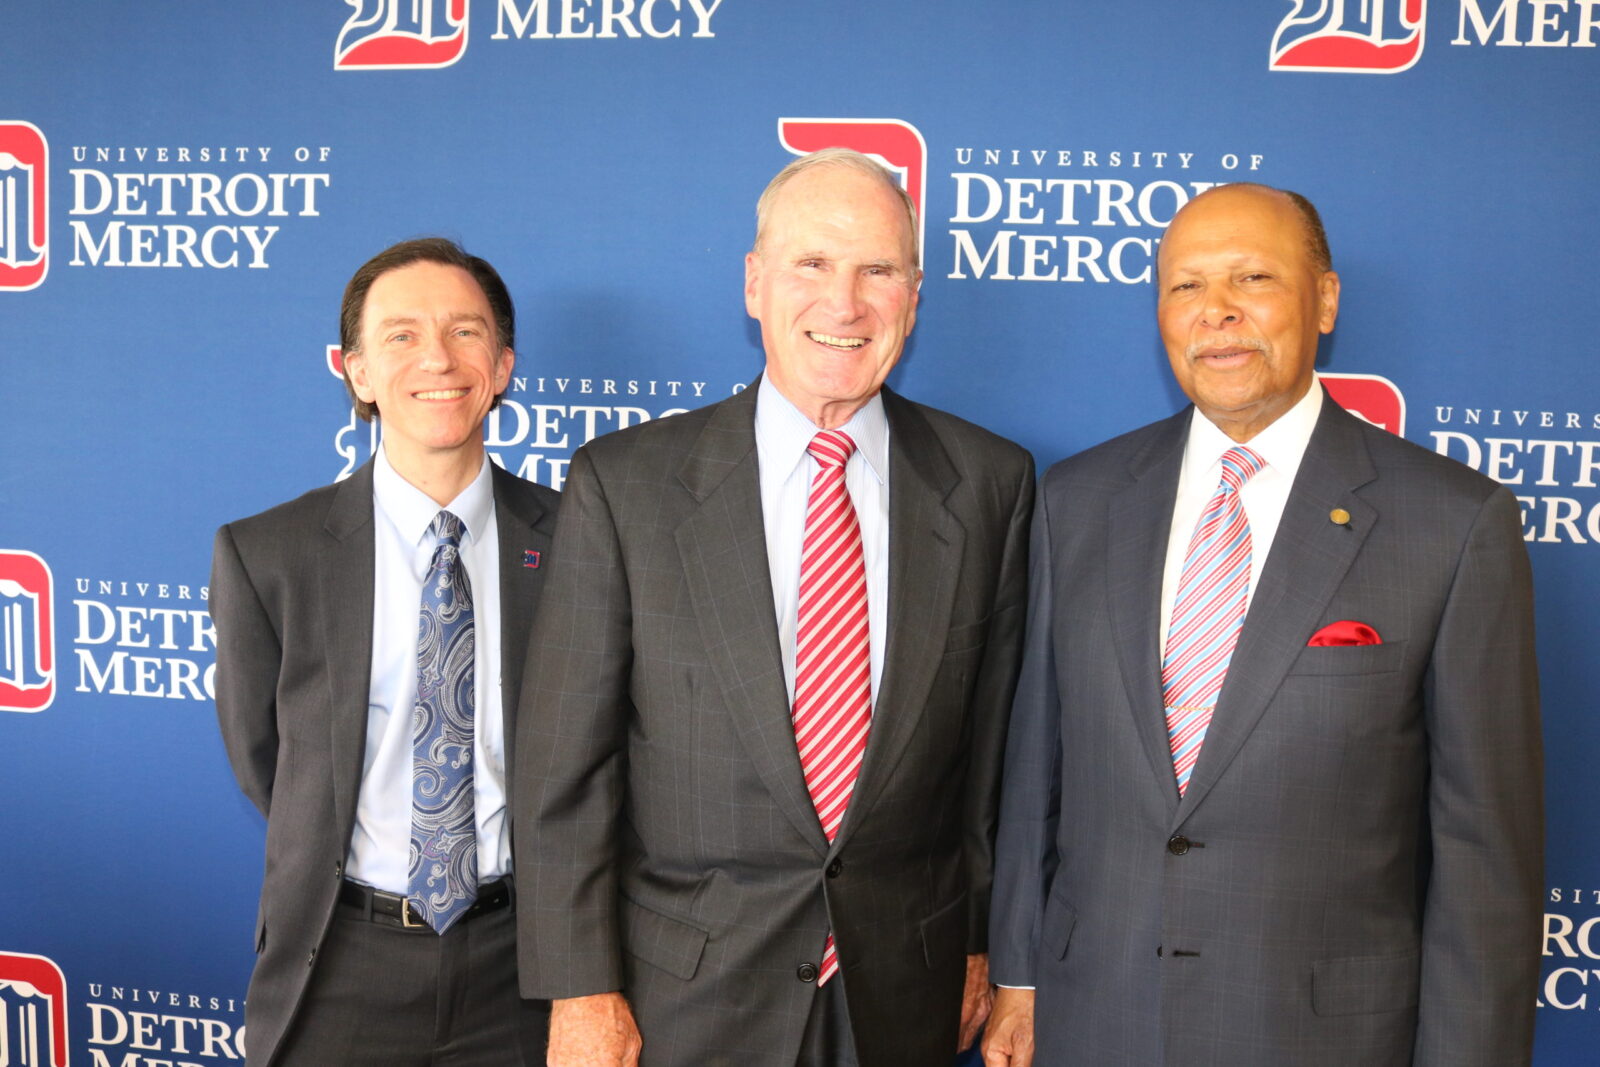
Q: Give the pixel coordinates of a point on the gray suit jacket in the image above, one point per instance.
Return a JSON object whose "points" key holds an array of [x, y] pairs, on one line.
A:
{"points": [[668, 843], [291, 597], [1354, 875]]}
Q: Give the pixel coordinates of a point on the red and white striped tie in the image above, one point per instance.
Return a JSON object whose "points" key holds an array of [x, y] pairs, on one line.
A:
{"points": [[1207, 614], [833, 663]]}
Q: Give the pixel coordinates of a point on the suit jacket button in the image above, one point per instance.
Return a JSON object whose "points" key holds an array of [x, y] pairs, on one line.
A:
{"points": [[311, 958], [834, 868], [338, 869], [1178, 845], [807, 972]]}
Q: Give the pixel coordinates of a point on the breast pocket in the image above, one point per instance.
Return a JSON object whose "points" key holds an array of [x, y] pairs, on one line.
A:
{"points": [[1350, 659]]}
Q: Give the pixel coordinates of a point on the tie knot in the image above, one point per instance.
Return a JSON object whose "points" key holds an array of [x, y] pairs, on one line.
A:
{"points": [[1239, 465], [447, 528], [831, 448]]}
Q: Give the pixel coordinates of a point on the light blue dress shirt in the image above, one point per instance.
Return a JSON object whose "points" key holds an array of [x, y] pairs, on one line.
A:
{"points": [[381, 842], [782, 434]]}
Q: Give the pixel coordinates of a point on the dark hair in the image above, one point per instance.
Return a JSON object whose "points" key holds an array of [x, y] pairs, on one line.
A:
{"points": [[1316, 236], [421, 250]]}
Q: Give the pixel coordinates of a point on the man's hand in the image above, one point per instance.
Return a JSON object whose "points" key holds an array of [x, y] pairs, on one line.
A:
{"points": [[1009, 1041], [595, 1031], [976, 999]]}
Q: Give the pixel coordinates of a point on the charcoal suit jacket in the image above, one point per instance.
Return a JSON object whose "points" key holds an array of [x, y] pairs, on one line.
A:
{"points": [[666, 836], [1354, 874], [291, 597]]}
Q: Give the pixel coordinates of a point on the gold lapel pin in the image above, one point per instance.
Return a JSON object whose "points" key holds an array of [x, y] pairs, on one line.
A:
{"points": [[1339, 517]]}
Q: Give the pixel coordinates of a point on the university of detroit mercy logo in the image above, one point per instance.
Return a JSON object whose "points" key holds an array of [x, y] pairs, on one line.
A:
{"points": [[897, 145], [1370, 397], [27, 634], [33, 1012], [24, 220], [401, 35], [1350, 36]]}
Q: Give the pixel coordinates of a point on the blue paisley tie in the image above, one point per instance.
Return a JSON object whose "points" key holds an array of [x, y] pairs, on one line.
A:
{"points": [[444, 841]]}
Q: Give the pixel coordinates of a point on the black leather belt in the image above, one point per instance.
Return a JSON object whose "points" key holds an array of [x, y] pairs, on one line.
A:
{"points": [[391, 909]]}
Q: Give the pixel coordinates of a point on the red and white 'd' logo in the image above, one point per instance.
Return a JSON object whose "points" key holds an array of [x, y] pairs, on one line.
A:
{"points": [[33, 1012], [896, 144], [1370, 397], [401, 35], [1350, 36], [27, 632], [24, 219]]}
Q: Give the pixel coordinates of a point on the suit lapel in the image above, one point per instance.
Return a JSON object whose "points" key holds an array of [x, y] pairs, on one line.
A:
{"points": [[1140, 522], [1309, 558], [925, 547], [518, 512], [344, 588], [724, 556]]}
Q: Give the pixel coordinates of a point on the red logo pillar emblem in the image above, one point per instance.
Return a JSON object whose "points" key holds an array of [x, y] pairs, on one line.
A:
{"points": [[401, 35], [27, 632], [1350, 36], [1370, 397], [24, 214], [33, 1011]]}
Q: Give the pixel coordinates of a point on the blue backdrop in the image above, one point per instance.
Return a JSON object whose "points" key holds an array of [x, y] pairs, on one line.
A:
{"points": [[185, 188]]}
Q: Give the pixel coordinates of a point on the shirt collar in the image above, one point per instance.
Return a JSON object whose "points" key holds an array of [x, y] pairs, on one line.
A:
{"points": [[412, 511], [1281, 445], [782, 432]]}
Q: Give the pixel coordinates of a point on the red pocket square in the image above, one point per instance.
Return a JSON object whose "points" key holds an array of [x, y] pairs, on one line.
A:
{"points": [[1345, 632]]}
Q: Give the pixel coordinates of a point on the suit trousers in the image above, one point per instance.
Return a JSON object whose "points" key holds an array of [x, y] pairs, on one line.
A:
{"points": [[827, 1041], [384, 996]]}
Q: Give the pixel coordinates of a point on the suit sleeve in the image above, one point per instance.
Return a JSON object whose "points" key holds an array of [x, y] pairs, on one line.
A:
{"points": [[249, 655], [1482, 913], [996, 683], [571, 724], [1025, 859]]}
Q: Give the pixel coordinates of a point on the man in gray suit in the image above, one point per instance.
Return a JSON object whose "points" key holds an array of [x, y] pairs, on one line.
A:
{"points": [[379, 756], [691, 870], [1327, 849]]}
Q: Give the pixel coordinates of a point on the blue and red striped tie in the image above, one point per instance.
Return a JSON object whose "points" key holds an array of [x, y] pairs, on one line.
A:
{"points": [[1207, 614], [833, 665]]}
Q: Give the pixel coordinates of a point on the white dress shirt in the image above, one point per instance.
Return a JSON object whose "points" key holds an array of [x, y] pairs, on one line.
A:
{"points": [[1281, 445], [782, 434], [380, 845]]}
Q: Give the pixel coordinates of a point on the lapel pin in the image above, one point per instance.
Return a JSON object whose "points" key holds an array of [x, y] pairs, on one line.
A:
{"points": [[530, 557], [1339, 517]]}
